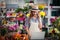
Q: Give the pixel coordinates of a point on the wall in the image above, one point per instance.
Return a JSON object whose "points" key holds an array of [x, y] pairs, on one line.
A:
{"points": [[15, 3], [12, 1]]}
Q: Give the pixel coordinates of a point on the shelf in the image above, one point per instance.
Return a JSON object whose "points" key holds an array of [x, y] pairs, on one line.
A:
{"points": [[52, 16], [46, 6], [55, 6]]}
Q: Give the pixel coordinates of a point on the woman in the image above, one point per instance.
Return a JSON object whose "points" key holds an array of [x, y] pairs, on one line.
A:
{"points": [[34, 22]]}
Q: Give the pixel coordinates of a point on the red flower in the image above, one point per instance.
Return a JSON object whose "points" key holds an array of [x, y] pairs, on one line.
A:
{"points": [[11, 14], [53, 31]]}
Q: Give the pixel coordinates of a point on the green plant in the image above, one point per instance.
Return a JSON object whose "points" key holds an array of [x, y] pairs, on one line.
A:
{"points": [[25, 9], [3, 31], [18, 9]]}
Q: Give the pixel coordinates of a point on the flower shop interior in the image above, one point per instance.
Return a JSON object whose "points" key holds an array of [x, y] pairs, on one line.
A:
{"points": [[13, 14]]}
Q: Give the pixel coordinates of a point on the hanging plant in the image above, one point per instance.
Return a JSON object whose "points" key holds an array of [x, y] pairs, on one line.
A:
{"points": [[26, 9]]}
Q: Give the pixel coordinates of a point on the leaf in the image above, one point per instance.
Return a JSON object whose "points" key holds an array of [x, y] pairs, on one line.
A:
{"points": [[3, 31], [18, 9]]}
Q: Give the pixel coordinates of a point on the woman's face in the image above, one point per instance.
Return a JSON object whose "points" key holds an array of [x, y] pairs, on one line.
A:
{"points": [[35, 13]]}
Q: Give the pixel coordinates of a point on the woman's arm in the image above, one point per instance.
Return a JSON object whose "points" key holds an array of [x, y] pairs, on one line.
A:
{"points": [[40, 22]]}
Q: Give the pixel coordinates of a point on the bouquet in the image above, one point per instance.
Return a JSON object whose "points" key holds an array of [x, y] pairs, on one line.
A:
{"points": [[55, 22], [12, 27], [17, 36]]}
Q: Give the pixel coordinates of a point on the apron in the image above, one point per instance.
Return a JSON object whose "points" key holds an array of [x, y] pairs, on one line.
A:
{"points": [[35, 32], [34, 27]]}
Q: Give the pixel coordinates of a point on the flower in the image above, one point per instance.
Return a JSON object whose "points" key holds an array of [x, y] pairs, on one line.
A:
{"points": [[28, 15], [55, 30], [55, 22], [42, 13], [41, 6], [21, 18], [13, 14], [52, 20], [20, 14], [16, 36], [13, 28]]}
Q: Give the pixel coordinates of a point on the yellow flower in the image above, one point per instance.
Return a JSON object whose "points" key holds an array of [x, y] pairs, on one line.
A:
{"points": [[14, 14], [28, 15], [21, 14], [42, 6], [56, 30], [42, 13]]}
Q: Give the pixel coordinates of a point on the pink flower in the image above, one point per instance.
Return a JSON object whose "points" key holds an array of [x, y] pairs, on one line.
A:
{"points": [[13, 27], [16, 26], [24, 27], [52, 20], [10, 28], [21, 18]]}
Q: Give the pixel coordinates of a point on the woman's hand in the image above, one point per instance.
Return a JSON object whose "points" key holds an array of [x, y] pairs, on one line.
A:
{"points": [[40, 29]]}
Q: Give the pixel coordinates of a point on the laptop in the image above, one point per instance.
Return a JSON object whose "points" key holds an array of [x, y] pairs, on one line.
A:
{"points": [[38, 35]]}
